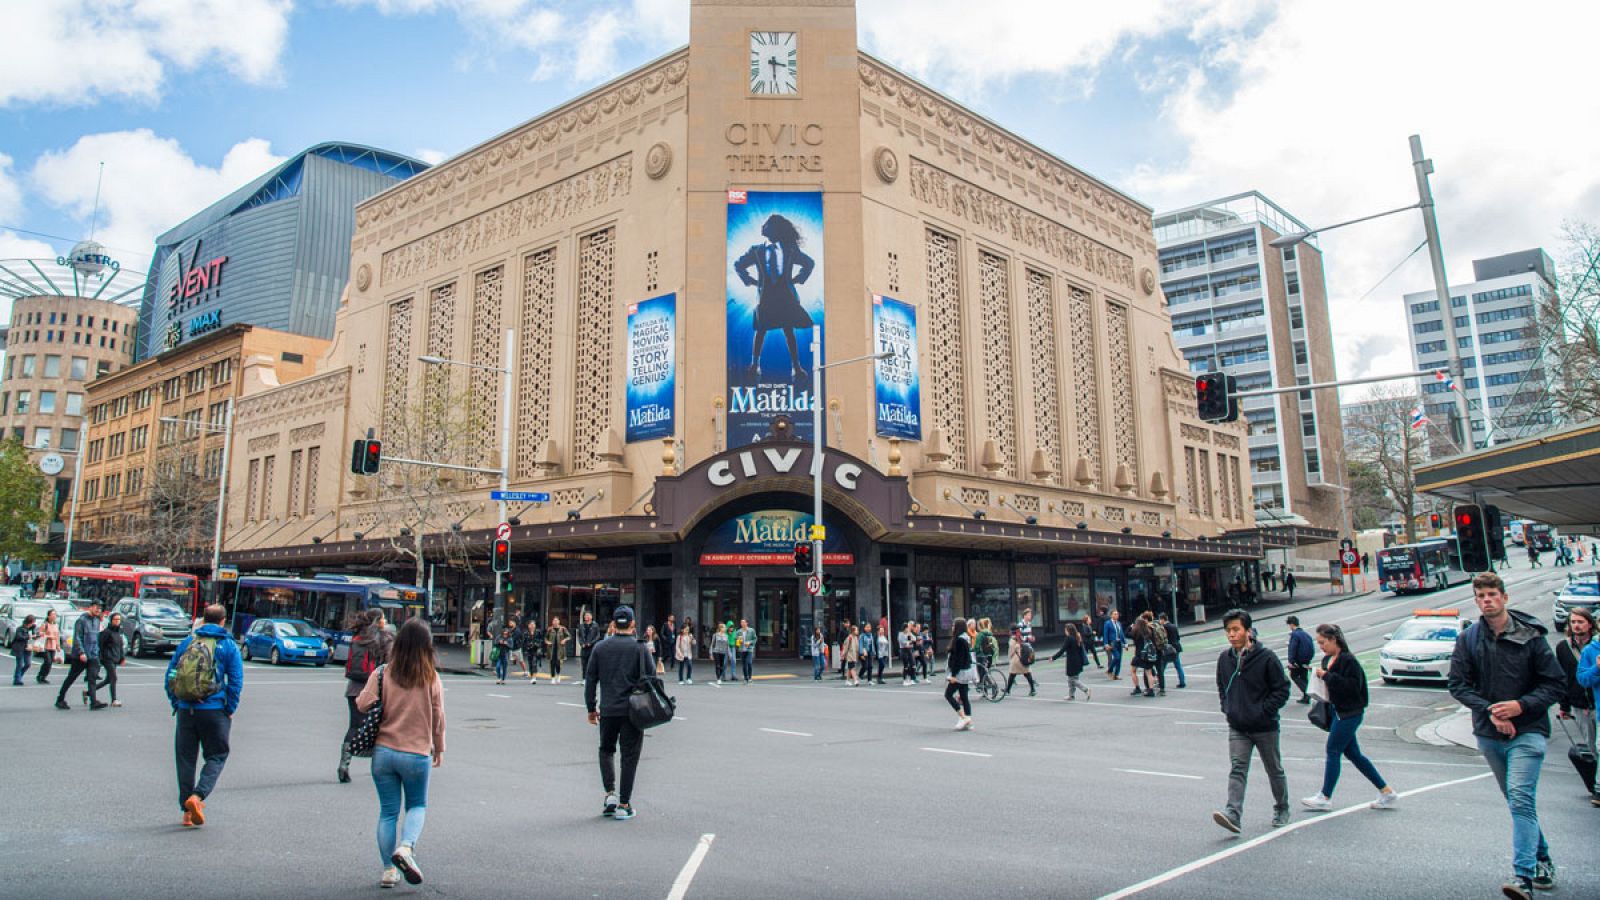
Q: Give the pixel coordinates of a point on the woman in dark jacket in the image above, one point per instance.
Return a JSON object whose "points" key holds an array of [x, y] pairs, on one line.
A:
{"points": [[1077, 661], [962, 675], [112, 653], [1347, 695], [20, 639], [1578, 703], [368, 651]]}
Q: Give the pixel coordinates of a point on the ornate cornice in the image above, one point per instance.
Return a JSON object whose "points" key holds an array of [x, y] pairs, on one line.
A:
{"points": [[296, 402]]}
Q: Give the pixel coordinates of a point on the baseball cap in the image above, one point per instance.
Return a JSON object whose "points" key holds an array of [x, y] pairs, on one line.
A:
{"points": [[622, 616]]}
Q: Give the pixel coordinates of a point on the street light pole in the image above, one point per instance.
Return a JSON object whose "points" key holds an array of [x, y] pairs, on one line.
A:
{"points": [[222, 494], [77, 481], [505, 445]]}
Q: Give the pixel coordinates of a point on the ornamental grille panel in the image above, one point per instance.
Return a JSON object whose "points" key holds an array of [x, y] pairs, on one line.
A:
{"points": [[994, 296], [533, 358], [1085, 378], [1191, 492], [313, 462], [441, 341], [1207, 509], [1046, 371], [945, 569], [972, 496], [252, 490], [946, 368], [396, 366], [1119, 344], [488, 342], [1073, 508], [268, 465], [592, 386], [1224, 494], [1028, 503], [296, 480], [990, 571], [1238, 487], [1032, 574]]}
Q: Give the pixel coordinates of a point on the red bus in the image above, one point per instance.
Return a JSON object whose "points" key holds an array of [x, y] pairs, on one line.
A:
{"points": [[109, 584]]}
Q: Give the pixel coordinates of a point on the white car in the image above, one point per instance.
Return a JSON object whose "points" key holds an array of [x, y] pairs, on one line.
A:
{"points": [[1581, 589], [1420, 648]]}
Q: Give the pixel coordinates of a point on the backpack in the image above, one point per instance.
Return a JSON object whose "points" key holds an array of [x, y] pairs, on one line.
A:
{"points": [[359, 666], [648, 703], [1027, 654], [194, 678]]}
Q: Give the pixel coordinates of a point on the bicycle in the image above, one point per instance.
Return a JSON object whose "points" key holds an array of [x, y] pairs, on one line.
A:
{"points": [[991, 684]]}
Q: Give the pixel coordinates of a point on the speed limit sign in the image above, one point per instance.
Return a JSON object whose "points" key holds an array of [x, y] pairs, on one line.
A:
{"points": [[1349, 558]]}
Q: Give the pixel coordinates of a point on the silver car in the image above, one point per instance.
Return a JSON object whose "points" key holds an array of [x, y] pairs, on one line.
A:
{"points": [[151, 625], [14, 612], [1582, 589]]}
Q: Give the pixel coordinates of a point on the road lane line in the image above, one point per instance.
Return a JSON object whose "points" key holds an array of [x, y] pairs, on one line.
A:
{"points": [[1204, 861], [1162, 774], [504, 696], [1391, 762], [792, 733], [680, 885], [573, 705], [958, 752]]}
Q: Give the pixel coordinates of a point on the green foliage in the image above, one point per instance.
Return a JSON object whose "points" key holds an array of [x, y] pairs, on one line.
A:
{"points": [[23, 512], [1370, 504]]}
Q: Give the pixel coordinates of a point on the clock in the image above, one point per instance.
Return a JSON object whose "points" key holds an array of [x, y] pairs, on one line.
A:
{"points": [[774, 63]]}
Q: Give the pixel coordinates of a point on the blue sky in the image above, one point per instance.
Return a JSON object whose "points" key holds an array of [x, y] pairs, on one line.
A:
{"points": [[1175, 101]]}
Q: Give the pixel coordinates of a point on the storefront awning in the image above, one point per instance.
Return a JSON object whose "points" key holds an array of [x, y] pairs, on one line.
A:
{"points": [[1552, 477]]}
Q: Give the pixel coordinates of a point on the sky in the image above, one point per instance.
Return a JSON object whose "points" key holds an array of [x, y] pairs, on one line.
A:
{"points": [[1173, 101]]}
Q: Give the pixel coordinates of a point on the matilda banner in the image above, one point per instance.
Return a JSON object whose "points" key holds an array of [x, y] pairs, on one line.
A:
{"points": [[652, 367], [897, 382]]}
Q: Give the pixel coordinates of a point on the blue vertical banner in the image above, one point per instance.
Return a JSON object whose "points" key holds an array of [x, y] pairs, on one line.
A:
{"points": [[652, 367], [897, 379], [774, 281]]}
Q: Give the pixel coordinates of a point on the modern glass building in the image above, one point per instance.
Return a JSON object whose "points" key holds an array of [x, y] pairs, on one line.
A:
{"points": [[275, 253]]}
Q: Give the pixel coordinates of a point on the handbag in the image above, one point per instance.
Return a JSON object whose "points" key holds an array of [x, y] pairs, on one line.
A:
{"points": [[1320, 714], [649, 705], [969, 675], [365, 737]]}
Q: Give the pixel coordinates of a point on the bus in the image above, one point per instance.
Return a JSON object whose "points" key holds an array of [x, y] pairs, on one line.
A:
{"points": [[1516, 530], [1540, 535], [1428, 565], [109, 584], [326, 601]]}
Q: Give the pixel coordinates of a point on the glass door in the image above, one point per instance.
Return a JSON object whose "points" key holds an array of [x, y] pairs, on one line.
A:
{"points": [[776, 617], [719, 604]]}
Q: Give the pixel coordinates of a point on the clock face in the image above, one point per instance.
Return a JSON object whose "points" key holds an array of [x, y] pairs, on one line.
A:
{"points": [[774, 62]]}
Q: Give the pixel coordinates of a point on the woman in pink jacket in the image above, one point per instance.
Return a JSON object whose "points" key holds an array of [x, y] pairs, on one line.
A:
{"points": [[50, 634]]}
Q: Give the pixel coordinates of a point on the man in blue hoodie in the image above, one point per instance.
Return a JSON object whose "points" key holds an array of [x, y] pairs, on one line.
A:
{"points": [[203, 722]]}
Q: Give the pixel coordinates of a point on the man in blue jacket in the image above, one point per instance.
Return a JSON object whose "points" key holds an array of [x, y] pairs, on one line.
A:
{"points": [[1301, 653], [1112, 637], [85, 657], [203, 722]]}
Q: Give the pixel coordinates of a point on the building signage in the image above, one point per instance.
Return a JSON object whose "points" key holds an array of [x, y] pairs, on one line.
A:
{"points": [[742, 466], [896, 379], [774, 284], [767, 537], [204, 322], [774, 147], [197, 282], [652, 368]]}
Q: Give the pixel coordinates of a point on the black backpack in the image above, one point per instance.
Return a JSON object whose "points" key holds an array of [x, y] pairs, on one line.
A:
{"points": [[648, 703], [1027, 654]]}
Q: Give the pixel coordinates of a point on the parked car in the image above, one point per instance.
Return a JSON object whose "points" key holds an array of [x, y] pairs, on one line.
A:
{"points": [[152, 625], [1420, 648], [286, 640], [14, 612], [1581, 589]]}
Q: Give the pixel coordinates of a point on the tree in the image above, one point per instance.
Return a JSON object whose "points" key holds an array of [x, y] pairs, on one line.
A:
{"points": [[1380, 438], [1568, 328], [182, 508], [1370, 503], [23, 512]]}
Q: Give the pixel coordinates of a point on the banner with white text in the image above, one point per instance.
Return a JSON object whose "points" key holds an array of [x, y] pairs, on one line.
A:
{"points": [[897, 382], [652, 368]]}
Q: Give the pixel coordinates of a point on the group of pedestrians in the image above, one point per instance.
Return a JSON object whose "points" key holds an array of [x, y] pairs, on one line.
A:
{"points": [[98, 650]]}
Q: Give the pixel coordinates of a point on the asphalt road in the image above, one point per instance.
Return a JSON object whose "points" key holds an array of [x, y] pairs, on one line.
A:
{"points": [[809, 790]]}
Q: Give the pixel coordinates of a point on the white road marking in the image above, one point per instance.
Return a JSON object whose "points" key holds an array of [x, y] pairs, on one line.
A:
{"points": [[1162, 774], [1393, 762], [504, 696], [1204, 861], [680, 885], [781, 731], [573, 705], [958, 752]]}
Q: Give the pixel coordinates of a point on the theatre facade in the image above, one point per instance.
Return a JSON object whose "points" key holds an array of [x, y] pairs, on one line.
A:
{"points": [[662, 251]]}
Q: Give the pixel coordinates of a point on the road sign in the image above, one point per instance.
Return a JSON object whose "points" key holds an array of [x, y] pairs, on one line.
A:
{"points": [[502, 532], [519, 496], [1351, 562], [819, 532], [814, 585], [52, 464], [227, 573]]}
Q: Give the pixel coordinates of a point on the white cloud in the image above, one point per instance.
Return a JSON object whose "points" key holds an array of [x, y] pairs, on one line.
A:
{"points": [[74, 52], [151, 184], [430, 156], [10, 192]]}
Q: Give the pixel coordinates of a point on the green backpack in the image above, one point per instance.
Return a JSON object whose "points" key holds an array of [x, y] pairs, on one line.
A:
{"points": [[194, 678]]}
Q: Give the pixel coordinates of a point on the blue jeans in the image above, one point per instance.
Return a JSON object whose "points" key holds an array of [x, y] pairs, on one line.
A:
{"points": [[1516, 765], [817, 662], [685, 669], [1177, 663], [24, 660], [393, 772], [1113, 659], [1342, 744], [747, 661], [500, 663]]}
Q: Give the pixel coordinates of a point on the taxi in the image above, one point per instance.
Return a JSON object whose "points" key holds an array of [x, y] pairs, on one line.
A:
{"points": [[1420, 648]]}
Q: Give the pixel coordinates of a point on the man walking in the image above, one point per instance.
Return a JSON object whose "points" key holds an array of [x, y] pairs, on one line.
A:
{"points": [[1026, 626], [868, 646], [1288, 583], [1504, 671], [1112, 638], [1174, 641], [617, 664], [1301, 652], [1252, 688], [746, 644], [85, 657], [588, 635], [204, 680]]}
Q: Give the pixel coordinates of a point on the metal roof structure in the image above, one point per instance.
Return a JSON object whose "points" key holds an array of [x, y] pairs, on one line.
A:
{"points": [[1552, 477]]}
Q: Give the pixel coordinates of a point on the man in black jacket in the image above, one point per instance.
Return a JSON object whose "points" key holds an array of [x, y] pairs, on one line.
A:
{"points": [[1504, 671], [1252, 688], [588, 635], [1174, 641], [612, 668]]}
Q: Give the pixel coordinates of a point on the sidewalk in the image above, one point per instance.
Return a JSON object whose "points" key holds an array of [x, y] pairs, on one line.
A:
{"points": [[1276, 603]]}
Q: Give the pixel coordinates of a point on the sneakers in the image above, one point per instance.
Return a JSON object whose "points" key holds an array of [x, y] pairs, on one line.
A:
{"points": [[1087, 695], [963, 723], [1386, 800], [1136, 692], [1161, 693], [407, 864], [99, 704], [188, 820], [1320, 803], [1544, 875], [62, 704], [1280, 818], [1518, 888], [196, 808], [1149, 693], [390, 878], [624, 813], [688, 681], [1226, 821], [610, 807], [116, 703]]}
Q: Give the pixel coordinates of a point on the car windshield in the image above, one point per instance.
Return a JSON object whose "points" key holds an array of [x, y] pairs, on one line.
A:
{"points": [[156, 609], [1582, 589], [1419, 630], [294, 629], [23, 610]]}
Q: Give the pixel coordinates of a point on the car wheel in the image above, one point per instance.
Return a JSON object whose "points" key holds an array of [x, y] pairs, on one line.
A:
{"points": [[244, 650], [276, 660], [1388, 680], [136, 647], [322, 663]]}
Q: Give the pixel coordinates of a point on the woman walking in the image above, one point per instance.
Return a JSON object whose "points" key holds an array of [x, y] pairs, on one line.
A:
{"points": [[1086, 629], [412, 731], [50, 634], [652, 644], [555, 643], [503, 639], [1347, 695], [1077, 660], [533, 648], [22, 648], [368, 651], [963, 674], [852, 656], [112, 653], [1143, 661], [1578, 703], [818, 648], [684, 652], [1018, 665], [908, 654], [719, 650]]}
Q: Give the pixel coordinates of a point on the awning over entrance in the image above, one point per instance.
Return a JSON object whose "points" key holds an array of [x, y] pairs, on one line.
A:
{"points": [[1285, 537], [1552, 477]]}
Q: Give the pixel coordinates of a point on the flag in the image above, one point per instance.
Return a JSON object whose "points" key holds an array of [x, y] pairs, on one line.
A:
{"points": [[1418, 418], [1449, 383]]}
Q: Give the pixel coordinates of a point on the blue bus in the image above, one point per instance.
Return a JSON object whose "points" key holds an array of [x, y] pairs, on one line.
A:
{"points": [[326, 601]]}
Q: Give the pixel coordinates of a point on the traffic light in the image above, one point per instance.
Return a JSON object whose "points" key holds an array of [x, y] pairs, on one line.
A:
{"points": [[365, 455], [1213, 396], [502, 555], [1471, 538], [827, 583], [803, 564], [1495, 530], [1433, 521]]}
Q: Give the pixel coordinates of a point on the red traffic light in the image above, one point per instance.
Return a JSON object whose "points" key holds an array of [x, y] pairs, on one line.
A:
{"points": [[502, 556]]}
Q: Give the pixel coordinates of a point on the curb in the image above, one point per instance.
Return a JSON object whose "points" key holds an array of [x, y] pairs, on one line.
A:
{"points": [[1276, 610]]}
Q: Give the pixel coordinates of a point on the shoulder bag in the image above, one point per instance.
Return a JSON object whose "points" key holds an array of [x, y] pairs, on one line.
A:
{"points": [[365, 737], [1320, 714]]}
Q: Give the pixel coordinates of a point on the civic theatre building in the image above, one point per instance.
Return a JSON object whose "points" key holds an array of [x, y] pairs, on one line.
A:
{"points": [[664, 249]]}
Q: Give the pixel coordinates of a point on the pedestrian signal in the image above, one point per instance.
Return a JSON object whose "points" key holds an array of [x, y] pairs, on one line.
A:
{"points": [[502, 555], [803, 563], [365, 455]]}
